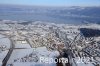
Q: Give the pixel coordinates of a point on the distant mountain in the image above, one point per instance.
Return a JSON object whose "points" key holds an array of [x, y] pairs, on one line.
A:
{"points": [[87, 11], [88, 14]]}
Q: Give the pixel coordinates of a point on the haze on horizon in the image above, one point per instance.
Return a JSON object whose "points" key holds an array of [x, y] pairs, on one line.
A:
{"points": [[52, 2]]}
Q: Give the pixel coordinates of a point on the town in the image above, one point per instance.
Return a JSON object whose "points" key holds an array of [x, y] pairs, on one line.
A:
{"points": [[22, 43]]}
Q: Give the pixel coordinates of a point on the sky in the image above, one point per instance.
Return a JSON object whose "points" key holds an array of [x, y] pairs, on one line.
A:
{"points": [[53, 2]]}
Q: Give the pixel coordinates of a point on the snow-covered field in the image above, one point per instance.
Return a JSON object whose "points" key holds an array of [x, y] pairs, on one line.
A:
{"points": [[19, 53], [43, 52], [33, 64], [4, 41], [27, 46], [4, 46], [3, 54], [40, 52]]}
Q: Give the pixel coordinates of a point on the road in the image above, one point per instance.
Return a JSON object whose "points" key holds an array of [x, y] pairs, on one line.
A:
{"points": [[29, 43]]}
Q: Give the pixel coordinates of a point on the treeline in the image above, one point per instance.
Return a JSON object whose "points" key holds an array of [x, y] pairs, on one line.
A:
{"points": [[88, 32]]}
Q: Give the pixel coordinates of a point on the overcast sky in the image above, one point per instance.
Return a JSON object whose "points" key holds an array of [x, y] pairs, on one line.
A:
{"points": [[53, 2]]}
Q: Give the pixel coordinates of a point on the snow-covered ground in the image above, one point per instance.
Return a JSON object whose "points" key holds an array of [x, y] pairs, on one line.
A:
{"points": [[4, 46], [3, 54], [4, 41], [27, 46], [43, 52], [22, 44], [33, 64], [19, 53], [40, 52], [4, 27], [83, 64]]}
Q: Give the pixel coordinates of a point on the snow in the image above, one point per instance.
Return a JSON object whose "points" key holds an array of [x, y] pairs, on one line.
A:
{"points": [[0, 63], [4, 44], [40, 52], [33, 64], [3, 54], [83, 64], [4, 41], [70, 37], [22, 46], [1, 36], [19, 53], [78, 62], [4, 27]]}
